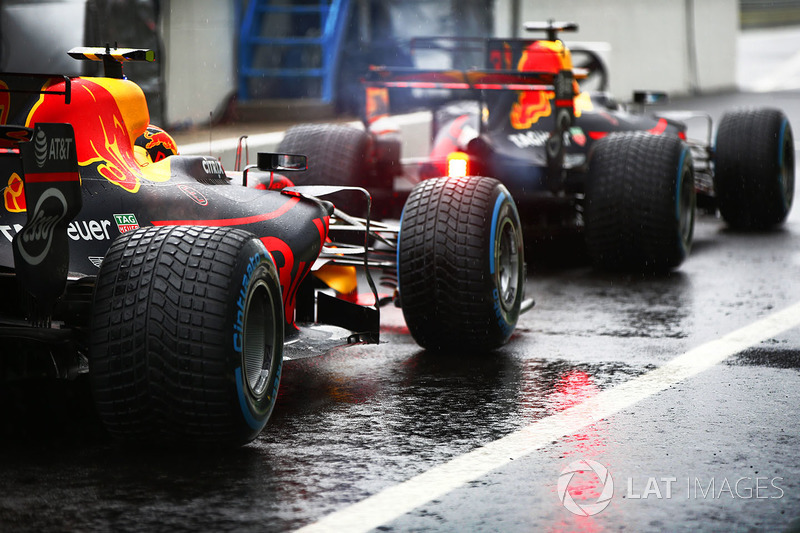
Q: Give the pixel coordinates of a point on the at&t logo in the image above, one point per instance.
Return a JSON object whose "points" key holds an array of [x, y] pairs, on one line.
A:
{"points": [[582, 466], [40, 148], [55, 149]]}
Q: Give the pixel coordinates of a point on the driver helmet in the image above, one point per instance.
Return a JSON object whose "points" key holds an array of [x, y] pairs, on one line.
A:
{"points": [[154, 145], [545, 56]]}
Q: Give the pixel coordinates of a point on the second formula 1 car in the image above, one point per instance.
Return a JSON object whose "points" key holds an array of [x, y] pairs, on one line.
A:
{"points": [[572, 157]]}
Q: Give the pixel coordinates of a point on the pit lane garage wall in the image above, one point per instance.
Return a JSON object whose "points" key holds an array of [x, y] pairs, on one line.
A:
{"points": [[194, 74], [677, 46], [674, 45], [35, 35], [199, 59], [27, 44]]}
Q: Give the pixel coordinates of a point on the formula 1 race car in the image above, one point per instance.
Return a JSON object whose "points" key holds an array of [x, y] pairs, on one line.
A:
{"points": [[178, 287], [573, 158]]}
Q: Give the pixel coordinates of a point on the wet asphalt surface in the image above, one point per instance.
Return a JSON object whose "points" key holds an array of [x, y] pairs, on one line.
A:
{"points": [[717, 451], [354, 422]]}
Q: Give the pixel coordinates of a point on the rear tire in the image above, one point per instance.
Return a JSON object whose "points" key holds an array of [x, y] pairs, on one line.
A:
{"points": [[754, 168], [337, 155], [460, 264], [187, 336], [639, 203]]}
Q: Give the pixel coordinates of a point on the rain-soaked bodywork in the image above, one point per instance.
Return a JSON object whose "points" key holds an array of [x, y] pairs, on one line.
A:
{"points": [[535, 115], [178, 287]]}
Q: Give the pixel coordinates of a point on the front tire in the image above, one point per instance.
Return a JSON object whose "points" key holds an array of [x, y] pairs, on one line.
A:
{"points": [[187, 336], [460, 264], [640, 203], [754, 168]]}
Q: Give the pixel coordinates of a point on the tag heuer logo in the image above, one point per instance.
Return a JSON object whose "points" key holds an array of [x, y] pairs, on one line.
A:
{"points": [[126, 222]]}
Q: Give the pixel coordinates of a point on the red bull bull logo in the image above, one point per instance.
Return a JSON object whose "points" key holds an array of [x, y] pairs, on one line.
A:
{"points": [[501, 59], [377, 103], [13, 194], [529, 108], [540, 56]]}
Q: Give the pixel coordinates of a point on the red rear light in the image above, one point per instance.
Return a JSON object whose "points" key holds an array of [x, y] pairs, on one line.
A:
{"points": [[457, 164]]}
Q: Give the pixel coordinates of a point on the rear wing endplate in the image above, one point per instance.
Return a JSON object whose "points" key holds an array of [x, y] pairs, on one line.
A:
{"points": [[52, 186]]}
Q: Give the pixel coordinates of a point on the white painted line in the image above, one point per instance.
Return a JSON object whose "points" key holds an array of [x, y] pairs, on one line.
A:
{"points": [[398, 500]]}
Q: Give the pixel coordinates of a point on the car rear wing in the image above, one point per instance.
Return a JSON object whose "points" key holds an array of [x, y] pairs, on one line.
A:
{"points": [[379, 79], [506, 53], [52, 193], [33, 84], [474, 80], [19, 92]]}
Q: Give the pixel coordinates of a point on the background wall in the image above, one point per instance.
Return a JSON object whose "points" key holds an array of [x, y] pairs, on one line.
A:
{"points": [[24, 47], [678, 46], [199, 62]]}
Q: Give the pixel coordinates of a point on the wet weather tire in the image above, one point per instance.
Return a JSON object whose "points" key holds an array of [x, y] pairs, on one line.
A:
{"points": [[754, 168], [460, 264], [336, 154], [187, 336], [640, 203]]}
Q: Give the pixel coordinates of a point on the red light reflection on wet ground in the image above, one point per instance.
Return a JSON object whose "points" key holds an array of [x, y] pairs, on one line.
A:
{"points": [[575, 387]]}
